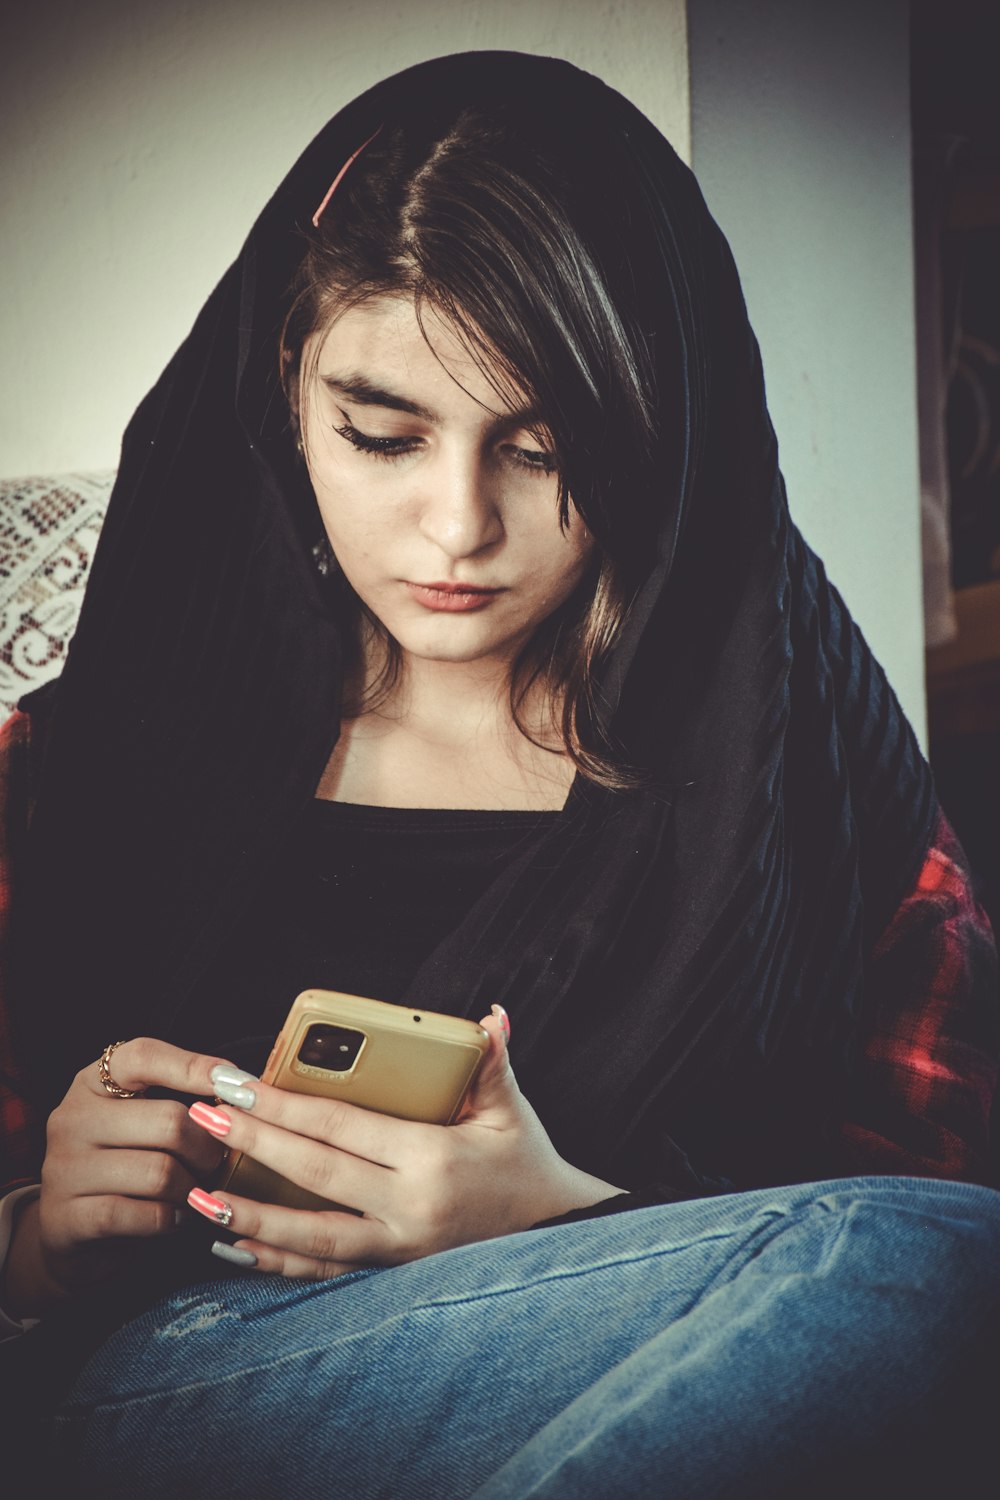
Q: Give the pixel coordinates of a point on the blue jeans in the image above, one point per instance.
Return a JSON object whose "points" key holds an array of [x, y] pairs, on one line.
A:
{"points": [[757, 1344]]}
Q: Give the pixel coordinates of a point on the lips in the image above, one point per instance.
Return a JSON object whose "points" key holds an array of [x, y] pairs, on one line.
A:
{"points": [[454, 598]]}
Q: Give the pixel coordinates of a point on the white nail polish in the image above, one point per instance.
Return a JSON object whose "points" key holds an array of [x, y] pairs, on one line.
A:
{"points": [[233, 1254], [225, 1073], [235, 1094]]}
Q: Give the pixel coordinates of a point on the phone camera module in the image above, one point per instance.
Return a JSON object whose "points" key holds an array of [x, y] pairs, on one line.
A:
{"points": [[334, 1048]]}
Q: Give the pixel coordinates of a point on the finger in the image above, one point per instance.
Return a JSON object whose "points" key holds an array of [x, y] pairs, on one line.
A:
{"points": [[327, 1171], [112, 1216], [277, 1262], [125, 1173], [494, 1094], [329, 1236], [363, 1133], [145, 1062], [496, 1063], [142, 1124], [502, 1019]]}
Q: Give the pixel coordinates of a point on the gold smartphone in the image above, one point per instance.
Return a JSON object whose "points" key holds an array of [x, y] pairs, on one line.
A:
{"points": [[414, 1064]]}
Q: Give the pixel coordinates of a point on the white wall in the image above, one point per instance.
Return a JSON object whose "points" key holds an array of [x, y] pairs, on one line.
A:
{"points": [[141, 139], [800, 138]]}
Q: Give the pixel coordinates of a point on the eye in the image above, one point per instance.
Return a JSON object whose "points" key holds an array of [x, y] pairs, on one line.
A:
{"points": [[377, 447], [535, 460]]}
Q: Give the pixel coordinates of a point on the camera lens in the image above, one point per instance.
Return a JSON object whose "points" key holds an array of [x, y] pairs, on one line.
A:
{"points": [[334, 1048]]}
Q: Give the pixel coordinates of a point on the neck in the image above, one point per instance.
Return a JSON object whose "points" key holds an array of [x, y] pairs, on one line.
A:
{"points": [[458, 703], [444, 736], [451, 701]]}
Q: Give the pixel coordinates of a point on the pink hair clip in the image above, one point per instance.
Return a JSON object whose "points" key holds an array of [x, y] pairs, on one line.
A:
{"points": [[336, 181]]}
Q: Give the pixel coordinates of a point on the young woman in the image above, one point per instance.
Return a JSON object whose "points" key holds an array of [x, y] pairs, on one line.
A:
{"points": [[449, 642]]}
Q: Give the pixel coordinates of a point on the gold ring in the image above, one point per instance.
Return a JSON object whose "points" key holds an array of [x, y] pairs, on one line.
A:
{"points": [[104, 1073]]}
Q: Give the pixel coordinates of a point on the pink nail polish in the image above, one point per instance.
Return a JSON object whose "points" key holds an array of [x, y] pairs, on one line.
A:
{"points": [[503, 1018], [216, 1209], [210, 1119]]}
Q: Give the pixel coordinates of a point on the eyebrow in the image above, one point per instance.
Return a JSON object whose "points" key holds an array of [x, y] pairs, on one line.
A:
{"points": [[357, 388], [364, 392]]}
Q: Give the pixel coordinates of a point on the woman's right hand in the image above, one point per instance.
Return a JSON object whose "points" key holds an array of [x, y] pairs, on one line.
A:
{"points": [[116, 1171]]}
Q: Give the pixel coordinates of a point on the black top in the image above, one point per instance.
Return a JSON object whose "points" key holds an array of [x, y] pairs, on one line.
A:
{"points": [[364, 896], [374, 890]]}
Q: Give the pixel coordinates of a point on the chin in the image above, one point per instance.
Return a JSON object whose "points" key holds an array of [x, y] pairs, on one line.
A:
{"points": [[457, 645], [459, 654]]}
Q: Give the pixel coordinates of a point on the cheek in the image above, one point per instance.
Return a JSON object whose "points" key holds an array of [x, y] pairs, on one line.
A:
{"points": [[353, 537], [563, 560], [344, 506]]}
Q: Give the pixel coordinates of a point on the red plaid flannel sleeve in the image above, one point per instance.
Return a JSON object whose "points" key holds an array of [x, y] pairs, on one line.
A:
{"points": [[928, 1072], [19, 1130]]}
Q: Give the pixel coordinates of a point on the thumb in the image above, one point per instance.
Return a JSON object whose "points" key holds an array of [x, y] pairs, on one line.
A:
{"points": [[494, 1088]]}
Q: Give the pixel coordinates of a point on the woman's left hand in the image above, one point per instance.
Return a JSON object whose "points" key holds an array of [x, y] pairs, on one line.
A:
{"points": [[419, 1188]]}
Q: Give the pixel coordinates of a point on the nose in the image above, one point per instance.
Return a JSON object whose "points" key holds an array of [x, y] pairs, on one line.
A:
{"points": [[460, 505]]}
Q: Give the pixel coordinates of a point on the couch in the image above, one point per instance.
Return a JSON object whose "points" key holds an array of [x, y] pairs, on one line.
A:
{"points": [[48, 533]]}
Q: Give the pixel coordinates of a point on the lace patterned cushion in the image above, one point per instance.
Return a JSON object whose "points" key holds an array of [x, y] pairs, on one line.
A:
{"points": [[48, 532]]}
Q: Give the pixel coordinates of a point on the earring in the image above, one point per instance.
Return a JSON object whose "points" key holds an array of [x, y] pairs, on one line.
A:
{"points": [[323, 557]]}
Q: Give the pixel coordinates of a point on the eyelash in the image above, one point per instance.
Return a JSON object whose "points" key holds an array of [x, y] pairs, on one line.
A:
{"points": [[390, 448]]}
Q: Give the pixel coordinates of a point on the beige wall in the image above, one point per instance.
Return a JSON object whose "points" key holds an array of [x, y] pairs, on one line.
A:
{"points": [[141, 139]]}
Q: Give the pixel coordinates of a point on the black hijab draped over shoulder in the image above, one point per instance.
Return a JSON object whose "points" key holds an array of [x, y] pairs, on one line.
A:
{"points": [[684, 963]]}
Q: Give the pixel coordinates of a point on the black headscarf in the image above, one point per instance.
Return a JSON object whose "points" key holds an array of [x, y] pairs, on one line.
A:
{"points": [[687, 959]]}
